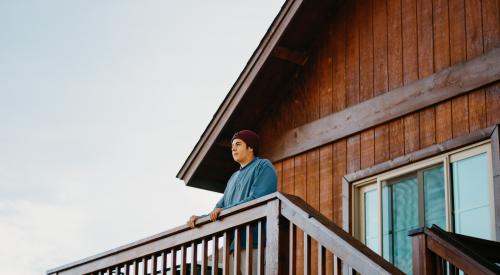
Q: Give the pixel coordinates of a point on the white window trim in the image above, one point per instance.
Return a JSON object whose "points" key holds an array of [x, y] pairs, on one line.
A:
{"points": [[357, 188]]}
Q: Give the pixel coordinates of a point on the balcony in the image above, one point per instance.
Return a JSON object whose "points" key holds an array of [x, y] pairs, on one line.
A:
{"points": [[291, 237]]}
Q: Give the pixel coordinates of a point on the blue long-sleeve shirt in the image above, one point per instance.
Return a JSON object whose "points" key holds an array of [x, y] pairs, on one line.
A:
{"points": [[256, 179]]}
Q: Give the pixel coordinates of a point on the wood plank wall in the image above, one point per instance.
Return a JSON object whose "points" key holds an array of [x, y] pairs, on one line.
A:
{"points": [[368, 48]]}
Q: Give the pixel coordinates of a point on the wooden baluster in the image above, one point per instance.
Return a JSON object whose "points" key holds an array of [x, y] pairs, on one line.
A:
{"points": [[154, 265], [321, 260], [109, 270], [183, 260], [292, 236], [215, 255], [249, 250], [126, 269], [194, 258], [272, 237], [204, 257], [307, 254], [144, 266], [136, 267], [260, 253], [337, 265], [236, 251], [164, 263], [117, 270], [225, 256], [173, 263], [438, 269]]}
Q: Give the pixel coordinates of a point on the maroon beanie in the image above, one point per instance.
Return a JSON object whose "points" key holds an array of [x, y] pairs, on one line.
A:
{"points": [[250, 138]]}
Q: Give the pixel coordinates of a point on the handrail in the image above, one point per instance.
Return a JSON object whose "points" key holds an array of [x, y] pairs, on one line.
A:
{"points": [[351, 251], [274, 211], [432, 244], [229, 218]]}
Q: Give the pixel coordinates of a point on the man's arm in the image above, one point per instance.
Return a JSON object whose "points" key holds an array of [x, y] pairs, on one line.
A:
{"points": [[219, 206]]}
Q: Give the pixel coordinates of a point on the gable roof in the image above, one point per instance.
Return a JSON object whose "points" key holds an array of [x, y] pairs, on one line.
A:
{"points": [[282, 50]]}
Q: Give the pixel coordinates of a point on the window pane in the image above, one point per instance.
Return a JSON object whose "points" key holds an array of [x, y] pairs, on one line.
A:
{"points": [[371, 220], [471, 200], [404, 208], [434, 202]]}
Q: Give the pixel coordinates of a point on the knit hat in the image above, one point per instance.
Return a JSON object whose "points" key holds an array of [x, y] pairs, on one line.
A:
{"points": [[250, 138]]}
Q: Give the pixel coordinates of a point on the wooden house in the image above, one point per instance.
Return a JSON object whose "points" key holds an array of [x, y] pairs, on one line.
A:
{"points": [[380, 117]]}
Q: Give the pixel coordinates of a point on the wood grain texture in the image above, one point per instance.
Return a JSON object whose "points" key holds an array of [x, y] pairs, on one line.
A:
{"points": [[473, 28], [288, 176], [312, 96], [353, 153], [339, 170], [441, 34], [395, 44], [491, 24], [326, 180], [339, 65], [491, 40], [396, 139], [410, 46], [493, 104], [412, 132], [326, 73], [477, 110], [457, 31], [352, 54], [425, 38], [380, 60], [381, 143], [460, 115], [367, 153], [366, 50], [427, 127], [278, 166], [474, 42], [452, 82], [443, 122]]}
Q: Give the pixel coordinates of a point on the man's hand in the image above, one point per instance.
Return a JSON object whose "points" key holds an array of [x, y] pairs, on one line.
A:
{"points": [[215, 214], [192, 221]]}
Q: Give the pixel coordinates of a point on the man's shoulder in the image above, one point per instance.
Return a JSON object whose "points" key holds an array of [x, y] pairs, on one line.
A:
{"points": [[264, 163]]}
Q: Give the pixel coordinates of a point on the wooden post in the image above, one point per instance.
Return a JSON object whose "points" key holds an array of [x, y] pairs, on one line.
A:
{"points": [[272, 240], [423, 262]]}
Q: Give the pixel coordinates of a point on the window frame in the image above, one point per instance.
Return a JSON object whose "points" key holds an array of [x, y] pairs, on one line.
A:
{"points": [[446, 159]]}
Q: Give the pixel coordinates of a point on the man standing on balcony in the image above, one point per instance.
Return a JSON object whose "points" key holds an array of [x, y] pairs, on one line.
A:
{"points": [[255, 178]]}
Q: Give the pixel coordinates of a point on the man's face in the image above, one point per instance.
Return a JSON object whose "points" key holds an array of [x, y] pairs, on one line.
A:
{"points": [[241, 152]]}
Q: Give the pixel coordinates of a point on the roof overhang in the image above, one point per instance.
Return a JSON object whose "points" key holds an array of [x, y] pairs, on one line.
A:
{"points": [[281, 52]]}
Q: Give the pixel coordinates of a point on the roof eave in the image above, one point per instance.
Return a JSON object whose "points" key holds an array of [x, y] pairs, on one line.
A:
{"points": [[244, 81]]}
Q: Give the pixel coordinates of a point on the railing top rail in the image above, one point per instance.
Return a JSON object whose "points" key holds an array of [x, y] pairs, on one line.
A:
{"points": [[459, 245], [334, 238], [174, 231], [350, 250]]}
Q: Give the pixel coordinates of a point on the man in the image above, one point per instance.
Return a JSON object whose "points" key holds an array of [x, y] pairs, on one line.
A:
{"points": [[255, 178]]}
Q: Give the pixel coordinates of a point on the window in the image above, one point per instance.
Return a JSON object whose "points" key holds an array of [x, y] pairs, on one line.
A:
{"points": [[453, 191]]}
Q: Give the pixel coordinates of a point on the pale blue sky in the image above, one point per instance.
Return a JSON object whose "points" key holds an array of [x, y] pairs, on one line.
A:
{"points": [[100, 104]]}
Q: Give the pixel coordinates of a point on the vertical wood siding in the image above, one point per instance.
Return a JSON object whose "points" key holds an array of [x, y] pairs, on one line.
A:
{"points": [[368, 48]]}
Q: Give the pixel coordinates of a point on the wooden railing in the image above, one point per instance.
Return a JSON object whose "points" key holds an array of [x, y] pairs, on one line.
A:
{"points": [[436, 251], [206, 249]]}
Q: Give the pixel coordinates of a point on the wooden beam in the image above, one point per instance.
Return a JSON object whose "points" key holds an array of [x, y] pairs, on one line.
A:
{"points": [[292, 56], [425, 153], [451, 82]]}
